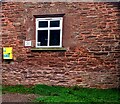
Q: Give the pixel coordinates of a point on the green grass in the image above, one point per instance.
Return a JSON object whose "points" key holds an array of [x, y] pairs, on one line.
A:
{"points": [[59, 94]]}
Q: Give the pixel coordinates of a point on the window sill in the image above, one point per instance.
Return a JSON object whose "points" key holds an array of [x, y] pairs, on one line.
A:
{"points": [[48, 49]]}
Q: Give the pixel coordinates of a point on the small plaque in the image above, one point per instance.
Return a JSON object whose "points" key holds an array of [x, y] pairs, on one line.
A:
{"points": [[28, 43]]}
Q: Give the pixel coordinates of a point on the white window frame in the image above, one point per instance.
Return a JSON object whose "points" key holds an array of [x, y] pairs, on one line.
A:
{"points": [[49, 28]]}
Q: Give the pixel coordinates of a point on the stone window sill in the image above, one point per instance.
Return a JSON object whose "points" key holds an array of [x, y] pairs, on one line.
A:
{"points": [[48, 49]]}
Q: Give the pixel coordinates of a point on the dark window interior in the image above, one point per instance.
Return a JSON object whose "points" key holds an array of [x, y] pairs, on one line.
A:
{"points": [[43, 24], [43, 37], [54, 23], [54, 37]]}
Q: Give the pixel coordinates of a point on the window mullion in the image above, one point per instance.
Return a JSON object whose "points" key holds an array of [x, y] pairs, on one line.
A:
{"points": [[48, 32], [36, 32], [61, 32]]}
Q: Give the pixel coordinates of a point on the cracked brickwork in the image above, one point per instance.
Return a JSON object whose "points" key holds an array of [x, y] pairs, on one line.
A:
{"points": [[91, 36]]}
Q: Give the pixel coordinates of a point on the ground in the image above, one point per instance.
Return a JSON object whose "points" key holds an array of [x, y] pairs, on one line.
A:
{"points": [[52, 94], [9, 97]]}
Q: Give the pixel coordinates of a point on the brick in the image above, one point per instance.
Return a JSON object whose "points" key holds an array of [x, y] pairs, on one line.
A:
{"points": [[101, 53]]}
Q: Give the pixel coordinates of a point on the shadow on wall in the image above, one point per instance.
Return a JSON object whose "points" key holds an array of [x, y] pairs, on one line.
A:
{"points": [[117, 49]]}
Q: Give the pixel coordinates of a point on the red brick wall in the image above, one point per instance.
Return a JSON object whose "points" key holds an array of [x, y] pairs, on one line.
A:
{"points": [[91, 36]]}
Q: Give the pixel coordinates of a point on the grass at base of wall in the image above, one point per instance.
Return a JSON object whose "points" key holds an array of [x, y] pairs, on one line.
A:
{"points": [[74, 94]]}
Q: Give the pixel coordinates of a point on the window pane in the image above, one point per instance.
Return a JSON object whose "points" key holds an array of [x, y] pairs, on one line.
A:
{"points": [[54, 37], [54, 23], [43, 23], [42, 37]]}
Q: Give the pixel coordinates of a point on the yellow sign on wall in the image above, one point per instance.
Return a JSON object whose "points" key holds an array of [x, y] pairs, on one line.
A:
{"points": [[7, 53]]}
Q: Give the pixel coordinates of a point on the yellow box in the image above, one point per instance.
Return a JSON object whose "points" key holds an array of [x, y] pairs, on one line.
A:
{"points": [[7, 53]]}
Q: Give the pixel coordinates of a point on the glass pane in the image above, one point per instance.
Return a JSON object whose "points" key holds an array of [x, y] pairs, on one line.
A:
{"points": [[43, 23], [54, 37], [42, 37], [54, 23]]}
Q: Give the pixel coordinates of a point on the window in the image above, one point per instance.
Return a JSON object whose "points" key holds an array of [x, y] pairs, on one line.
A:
{"points": [[49, 32]]}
